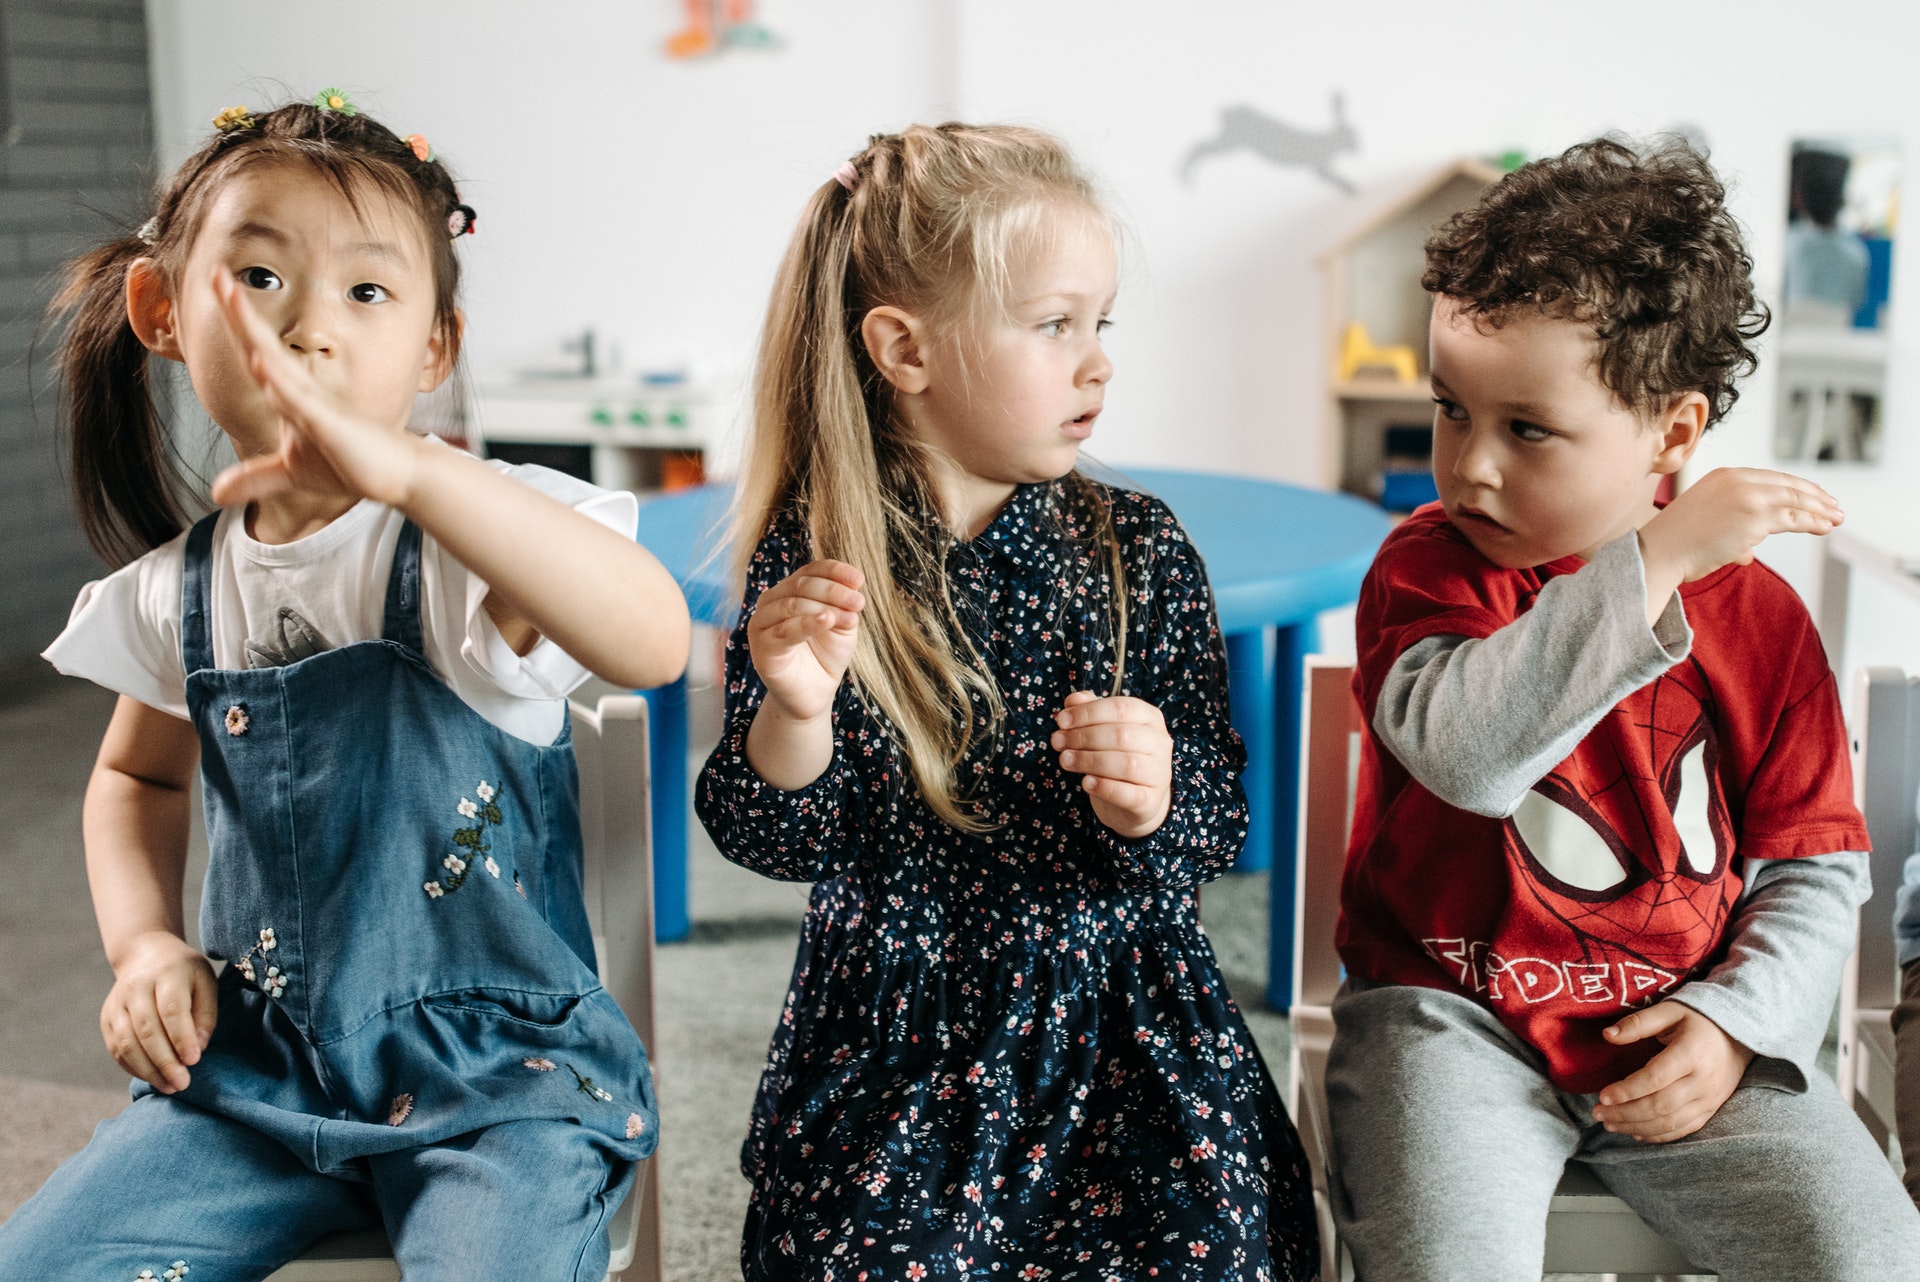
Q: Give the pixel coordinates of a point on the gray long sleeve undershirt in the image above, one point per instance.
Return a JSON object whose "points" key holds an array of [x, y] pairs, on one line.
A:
{"points": [[1478, 722]]}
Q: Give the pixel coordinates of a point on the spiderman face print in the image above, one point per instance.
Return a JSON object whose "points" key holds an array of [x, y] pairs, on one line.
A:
{"points": [[1627, 843]]}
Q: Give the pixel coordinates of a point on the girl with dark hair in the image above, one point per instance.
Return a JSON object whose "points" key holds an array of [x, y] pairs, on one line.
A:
{"points": [[367, 652], [980, 699]]}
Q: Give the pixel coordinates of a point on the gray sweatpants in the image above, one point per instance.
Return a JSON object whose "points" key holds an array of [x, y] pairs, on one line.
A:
{"points": [[1449, 1139]]}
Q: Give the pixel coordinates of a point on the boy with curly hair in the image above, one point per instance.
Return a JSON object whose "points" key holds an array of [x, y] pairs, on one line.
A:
{"points": [[1605, 863]]}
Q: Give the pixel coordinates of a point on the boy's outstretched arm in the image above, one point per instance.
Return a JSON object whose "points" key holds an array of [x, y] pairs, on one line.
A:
{"points": [[1479, 721], [1771, 998]]}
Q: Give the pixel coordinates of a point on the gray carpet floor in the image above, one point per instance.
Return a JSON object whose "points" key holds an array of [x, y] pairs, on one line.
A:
{"points": [[719, 992]]}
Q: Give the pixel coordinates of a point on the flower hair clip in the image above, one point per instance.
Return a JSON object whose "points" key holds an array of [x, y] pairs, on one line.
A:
{"points": [[335, 100], [149, 231], [422, 149], [234, 118], [461, 221]]}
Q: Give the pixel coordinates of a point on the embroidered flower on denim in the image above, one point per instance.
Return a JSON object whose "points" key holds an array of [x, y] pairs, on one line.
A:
{"points": [[472, 840], [400, 1110], [267, 941], [635, 1123], [177, 1272], [237, 719], [586, 1086]]}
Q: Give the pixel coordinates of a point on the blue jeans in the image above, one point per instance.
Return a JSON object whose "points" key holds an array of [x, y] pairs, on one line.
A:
{"points": [[166, 1183]]}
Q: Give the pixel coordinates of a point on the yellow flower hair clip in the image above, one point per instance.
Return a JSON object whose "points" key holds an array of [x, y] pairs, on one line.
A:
{"points": [[234, 118], [335, 100]]}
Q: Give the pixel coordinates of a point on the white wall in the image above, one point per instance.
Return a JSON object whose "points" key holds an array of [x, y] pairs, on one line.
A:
{"points": [[652, 198]]}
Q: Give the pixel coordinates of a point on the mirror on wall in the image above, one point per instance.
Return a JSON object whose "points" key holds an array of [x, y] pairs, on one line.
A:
{"points": [[1843, 201]]}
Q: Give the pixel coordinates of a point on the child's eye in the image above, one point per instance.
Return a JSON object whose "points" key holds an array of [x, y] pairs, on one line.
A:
{"points": [[1452, 411], [1054, 328], [1103, 326], [258, 278], [368, 292], [1528, 431]]}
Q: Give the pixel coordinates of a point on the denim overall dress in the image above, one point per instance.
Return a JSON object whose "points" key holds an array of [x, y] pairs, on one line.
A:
{"points": [[395, 886]]}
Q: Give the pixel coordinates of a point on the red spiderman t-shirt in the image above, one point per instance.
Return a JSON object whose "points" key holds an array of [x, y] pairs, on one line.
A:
{"points": [[1614, 881]]}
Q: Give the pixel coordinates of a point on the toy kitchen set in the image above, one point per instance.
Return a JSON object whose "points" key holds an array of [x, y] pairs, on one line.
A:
{"points": [[646, 432]]}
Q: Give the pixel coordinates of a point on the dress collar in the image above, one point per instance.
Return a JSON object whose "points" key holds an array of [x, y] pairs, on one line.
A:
{"points": [[1025, 532]]}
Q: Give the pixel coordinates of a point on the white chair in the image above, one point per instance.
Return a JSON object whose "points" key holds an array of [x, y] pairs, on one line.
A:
{"points": [[1886, 785], [610, 743], [1588, 1229]]}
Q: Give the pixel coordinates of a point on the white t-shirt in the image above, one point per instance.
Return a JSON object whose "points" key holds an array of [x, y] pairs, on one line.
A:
{"points": [[124, 632]]}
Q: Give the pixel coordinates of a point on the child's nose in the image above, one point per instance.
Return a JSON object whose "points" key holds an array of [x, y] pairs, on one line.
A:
{"points": [[1097, 368], [306, 326], [1476, 464]]}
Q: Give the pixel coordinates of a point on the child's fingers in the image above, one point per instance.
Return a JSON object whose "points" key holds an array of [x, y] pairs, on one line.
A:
{"points": [[823, 588], [794, 617], [1661, 1072], [173, 1004], [1096, 710], [139, 1045], [1131, 797], [251, 479], [128, 1055], [1125, 767], [206, 1005], [1642, 1024], [151, 1029], [838, 571], [1111, 736]]}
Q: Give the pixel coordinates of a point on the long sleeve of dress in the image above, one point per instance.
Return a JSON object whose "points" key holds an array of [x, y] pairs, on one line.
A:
{"points": [[807, 834], [1179, 664]]}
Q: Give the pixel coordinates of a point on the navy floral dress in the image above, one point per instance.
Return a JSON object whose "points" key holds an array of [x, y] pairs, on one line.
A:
{"points": [[1011, 1055]]}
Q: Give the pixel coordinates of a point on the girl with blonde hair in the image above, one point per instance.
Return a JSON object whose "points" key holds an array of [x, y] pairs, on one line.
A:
{"points": [[980, 700]]}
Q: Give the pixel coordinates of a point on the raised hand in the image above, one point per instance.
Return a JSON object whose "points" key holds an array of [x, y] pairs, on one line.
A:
{"points": [[1682, 1087], [325, 447], [161, 1012], [1723, 517], [1120, 747], [802, 636]]}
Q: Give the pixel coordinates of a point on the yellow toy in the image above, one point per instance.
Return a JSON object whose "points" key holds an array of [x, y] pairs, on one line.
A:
{"points": [[1357, 352]]}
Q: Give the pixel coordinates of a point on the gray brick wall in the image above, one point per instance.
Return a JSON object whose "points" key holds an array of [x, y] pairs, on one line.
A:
{"points": [[76, 166]]}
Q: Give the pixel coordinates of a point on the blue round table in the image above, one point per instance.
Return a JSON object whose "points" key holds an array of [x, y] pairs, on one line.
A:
{"points": [[1277, 555]]}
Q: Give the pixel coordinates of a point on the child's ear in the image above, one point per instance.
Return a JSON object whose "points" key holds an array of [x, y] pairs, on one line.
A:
{"points": [[893, 343], [1681, 426], [443, 352], [150, 309]]}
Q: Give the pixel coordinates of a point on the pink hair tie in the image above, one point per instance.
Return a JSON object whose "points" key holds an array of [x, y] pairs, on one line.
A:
{"points": [[847, 176]]}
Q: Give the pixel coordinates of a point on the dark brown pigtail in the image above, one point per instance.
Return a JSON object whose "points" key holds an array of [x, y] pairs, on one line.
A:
{"points": [[127, 480]]}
